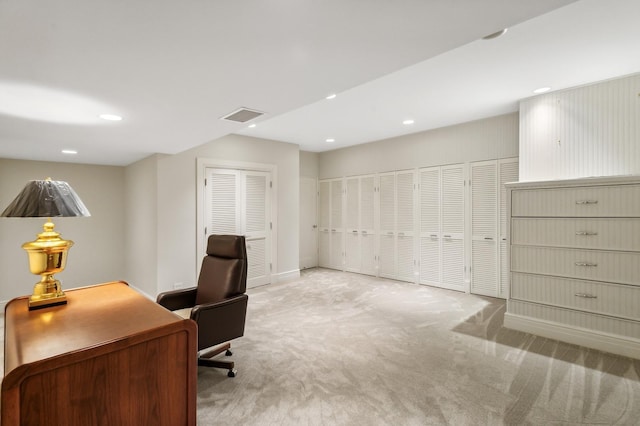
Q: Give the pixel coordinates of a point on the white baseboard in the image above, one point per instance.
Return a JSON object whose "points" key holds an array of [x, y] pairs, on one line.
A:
{"points": [[577, 336], [285, 276]]}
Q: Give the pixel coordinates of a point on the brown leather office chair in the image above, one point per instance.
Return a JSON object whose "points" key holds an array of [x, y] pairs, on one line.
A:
{"points": [[218, 304]]}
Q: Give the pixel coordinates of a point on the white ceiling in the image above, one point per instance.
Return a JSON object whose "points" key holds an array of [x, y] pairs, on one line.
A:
{"points": [[172, 69]]}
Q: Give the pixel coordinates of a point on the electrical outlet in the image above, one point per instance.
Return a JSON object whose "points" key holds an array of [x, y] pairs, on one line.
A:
{"points": [[177, 286]]}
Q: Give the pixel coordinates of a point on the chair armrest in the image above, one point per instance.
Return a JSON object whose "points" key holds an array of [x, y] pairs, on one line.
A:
{"points": [[177, 299], [220, 322]]}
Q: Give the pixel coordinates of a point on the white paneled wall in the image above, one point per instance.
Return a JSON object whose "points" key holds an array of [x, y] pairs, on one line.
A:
{"points": [[587, 131]]}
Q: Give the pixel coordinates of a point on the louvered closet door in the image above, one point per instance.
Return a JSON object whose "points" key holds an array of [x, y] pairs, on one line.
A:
{"points": [[352, 252], [360, 225], [484, 224], [222, 198], [507, 172], [386, 229], [337, 230], [256, 227], [367, 225], [324, 223], [453, 227], [430, 226], [405, 226], [238, 202]]}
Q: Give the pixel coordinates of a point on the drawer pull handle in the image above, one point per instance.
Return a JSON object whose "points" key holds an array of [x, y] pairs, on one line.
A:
{"points": [[587, 202], [586, 264], [586, 233], [586, 296]]}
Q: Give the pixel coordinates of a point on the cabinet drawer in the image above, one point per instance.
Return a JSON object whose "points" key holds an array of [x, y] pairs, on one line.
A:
{"points": [[610, 266], [589, 201], [604, 234], [592, 296], [583, 320]]}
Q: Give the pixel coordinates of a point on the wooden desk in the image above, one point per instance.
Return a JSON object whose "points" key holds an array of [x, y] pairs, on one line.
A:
{"points": [[109, 357]]}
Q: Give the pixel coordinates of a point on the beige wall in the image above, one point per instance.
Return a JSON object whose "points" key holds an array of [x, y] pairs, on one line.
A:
{"points": [[487, 139], [99, 240], [309, 164], [141, 243]]}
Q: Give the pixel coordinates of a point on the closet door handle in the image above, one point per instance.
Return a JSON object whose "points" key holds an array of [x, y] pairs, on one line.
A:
{"points": [[488, 238], [364, 232], [586, 233], [400, 234], [434, 235], [586, 264], [354, 231], [583, 202], [586, 296]]}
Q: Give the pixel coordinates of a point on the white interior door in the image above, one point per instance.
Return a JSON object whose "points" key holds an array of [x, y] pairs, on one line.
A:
{"points": [[387, 242], [405, 226], [324, 224], [308, 223], [430, 259], [237, 202], [453, 212], [484, 228]]}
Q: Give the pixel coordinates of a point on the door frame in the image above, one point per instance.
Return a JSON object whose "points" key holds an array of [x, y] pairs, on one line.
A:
{"points": [[202, 165]]}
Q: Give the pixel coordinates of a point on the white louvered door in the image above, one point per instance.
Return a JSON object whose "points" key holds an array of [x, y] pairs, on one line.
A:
{"points": [[337, 227], [453, 213], [507, 172], [386, 227], [368, 264], [352, 252], [238, 202], [405, 226], [429, 203], [255, 223], [331, 228], [360, 254], [324, 224], [484, 232]]}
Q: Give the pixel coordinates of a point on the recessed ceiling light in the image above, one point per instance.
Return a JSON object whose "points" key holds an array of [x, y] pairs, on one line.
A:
{"points": [[69, 151], [331, 96], [407, 122], [251, 126], [542, 90], [495, 35], [110, 117], [330, 140]]}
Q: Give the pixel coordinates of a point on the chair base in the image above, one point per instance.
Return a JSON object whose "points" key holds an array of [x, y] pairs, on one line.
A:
{"points": [[204, 359]]}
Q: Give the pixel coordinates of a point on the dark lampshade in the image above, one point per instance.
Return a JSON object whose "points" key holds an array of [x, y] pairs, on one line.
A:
{"points": [[48, 254], [46, 198]]}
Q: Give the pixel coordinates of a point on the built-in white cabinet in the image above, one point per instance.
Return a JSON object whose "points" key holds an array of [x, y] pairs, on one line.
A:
{"points": [[422, 226], [575, 262]]}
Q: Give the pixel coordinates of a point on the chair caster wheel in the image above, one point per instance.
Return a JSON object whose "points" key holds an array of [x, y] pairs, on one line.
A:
{"points": [[228, 353], [231, 373]]}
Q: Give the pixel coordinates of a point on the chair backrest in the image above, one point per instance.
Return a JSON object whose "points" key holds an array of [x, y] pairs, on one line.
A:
{"points": [[224, 269]]}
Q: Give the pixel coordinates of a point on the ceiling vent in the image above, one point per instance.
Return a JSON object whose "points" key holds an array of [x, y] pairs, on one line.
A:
{"points": [[243, 115]]}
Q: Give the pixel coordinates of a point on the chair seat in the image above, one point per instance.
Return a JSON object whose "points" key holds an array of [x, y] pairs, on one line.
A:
{"points": [[183, 313]]}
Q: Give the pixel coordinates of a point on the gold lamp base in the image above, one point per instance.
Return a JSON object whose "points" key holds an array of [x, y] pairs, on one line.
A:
{"points": [[47, 256], [47, 292]]}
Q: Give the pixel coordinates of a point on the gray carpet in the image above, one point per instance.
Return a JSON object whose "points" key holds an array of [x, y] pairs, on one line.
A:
{"points": [[335, 348]]}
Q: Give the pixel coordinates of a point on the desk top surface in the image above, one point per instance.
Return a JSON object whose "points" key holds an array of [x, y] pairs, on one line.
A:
{"points": [[93, 316]]}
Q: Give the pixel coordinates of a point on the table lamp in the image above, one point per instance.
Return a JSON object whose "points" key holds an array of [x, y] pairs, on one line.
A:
{"points": [[48, 254]]}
